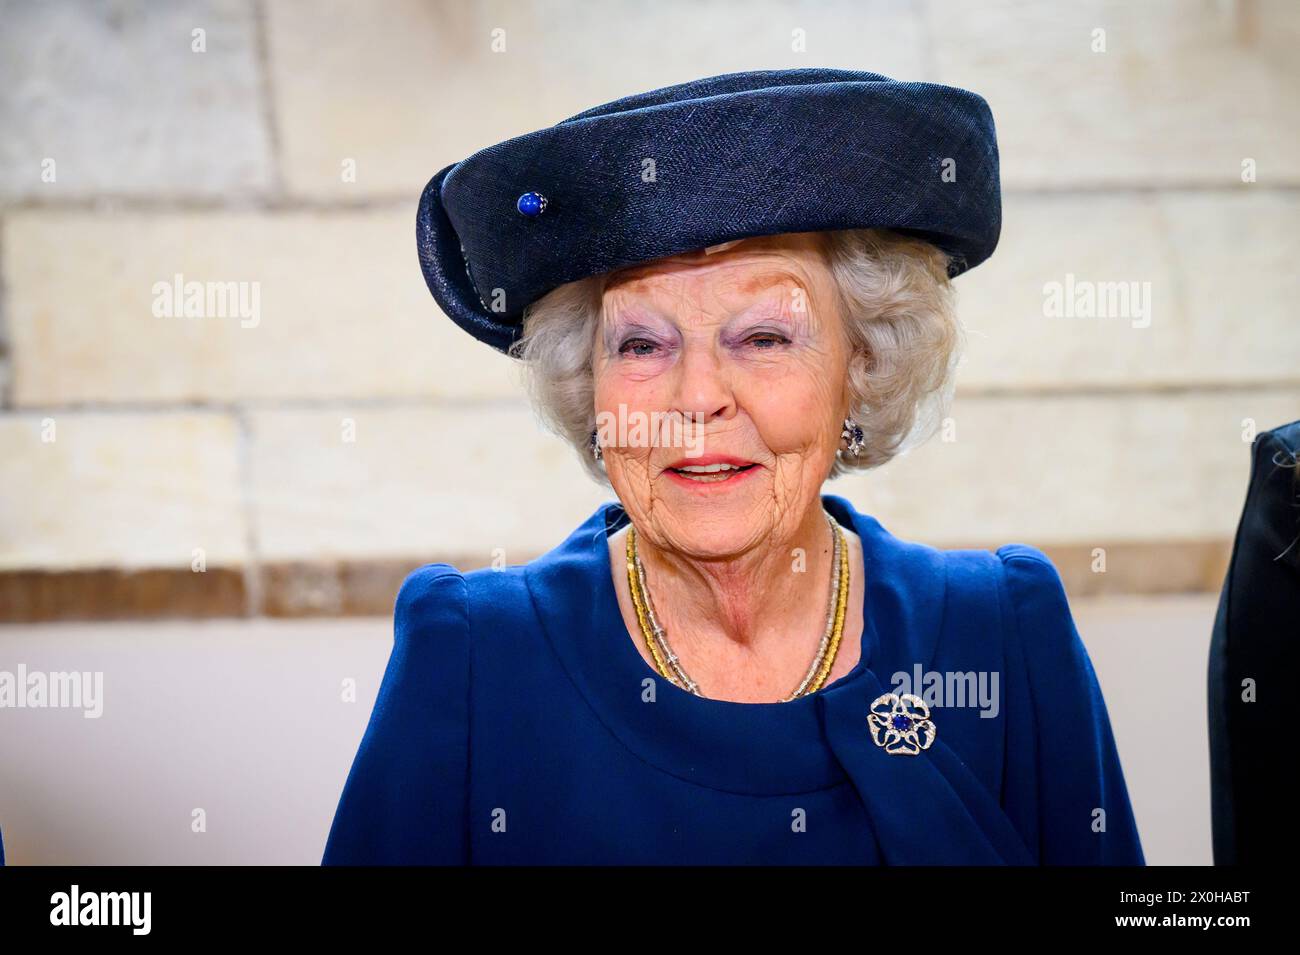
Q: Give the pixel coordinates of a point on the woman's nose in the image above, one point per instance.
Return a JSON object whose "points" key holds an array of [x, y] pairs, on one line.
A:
{"points": [[704, 388]]}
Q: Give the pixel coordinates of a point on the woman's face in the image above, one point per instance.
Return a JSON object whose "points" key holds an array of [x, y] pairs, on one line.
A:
{"points": [[733, 358]]}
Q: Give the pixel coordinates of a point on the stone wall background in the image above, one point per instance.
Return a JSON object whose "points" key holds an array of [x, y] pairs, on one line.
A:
{"points": [[176, 436]]}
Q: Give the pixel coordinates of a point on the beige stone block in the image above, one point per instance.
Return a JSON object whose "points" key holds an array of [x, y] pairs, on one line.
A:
{"points": [[124, 490], [450, 483], [1013, 340], [116, 96], [1236, 256], [336, 306], [404, 88], [1210, 286], [1088, 470], [1183, 94]]}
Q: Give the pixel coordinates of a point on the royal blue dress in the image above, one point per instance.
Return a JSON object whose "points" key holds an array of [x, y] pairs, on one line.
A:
{"points": [[517, 723]]}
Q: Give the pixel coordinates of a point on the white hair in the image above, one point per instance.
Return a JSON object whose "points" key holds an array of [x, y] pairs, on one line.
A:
{"points": [[898, 311]]}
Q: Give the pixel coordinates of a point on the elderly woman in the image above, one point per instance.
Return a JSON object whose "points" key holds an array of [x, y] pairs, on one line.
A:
{"points": [[725, 293]]}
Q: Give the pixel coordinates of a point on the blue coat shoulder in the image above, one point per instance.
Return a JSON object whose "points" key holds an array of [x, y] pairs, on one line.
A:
{"points": [[1082, 814], [414, 757]]}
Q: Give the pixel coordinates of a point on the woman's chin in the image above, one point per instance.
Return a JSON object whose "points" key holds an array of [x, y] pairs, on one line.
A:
{"points": [[710, 543], [713, 519]]}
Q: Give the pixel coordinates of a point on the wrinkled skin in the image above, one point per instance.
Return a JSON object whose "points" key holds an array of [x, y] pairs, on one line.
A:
{"points": [[749, 342]]}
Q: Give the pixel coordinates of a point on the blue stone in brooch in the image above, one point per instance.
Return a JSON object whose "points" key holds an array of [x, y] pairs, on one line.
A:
{"points": [[531, 204], [901, 724]]}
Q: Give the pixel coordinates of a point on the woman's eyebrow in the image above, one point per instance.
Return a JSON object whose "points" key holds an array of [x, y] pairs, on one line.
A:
{"points": [[622, 321], [769, 306], [774, 275], [762, 285], [766, 308], [627, 314]]}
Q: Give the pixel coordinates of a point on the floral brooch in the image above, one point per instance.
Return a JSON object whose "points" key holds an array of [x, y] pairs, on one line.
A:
{"points": [[901, 724]]}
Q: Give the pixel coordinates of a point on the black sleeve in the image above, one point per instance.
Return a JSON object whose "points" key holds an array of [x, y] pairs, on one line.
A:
{"points": [[1251, 655]]}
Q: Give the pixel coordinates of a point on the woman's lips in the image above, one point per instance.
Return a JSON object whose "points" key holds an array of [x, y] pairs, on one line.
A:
{"points": [[710, 475]]}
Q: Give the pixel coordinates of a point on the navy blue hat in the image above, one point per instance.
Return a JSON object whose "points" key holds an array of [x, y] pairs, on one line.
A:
{"points": [[702, 163]]}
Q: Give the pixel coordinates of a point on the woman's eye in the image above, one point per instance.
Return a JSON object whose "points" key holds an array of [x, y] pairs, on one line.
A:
{"points": [[767, 340], [637, 346]]}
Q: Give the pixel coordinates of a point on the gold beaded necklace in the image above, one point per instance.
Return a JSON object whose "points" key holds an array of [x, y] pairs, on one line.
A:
{"points": [[670, 667]]}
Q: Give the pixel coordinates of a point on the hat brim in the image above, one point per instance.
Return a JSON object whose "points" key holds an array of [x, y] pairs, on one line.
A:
{"points": [[446, 272]]}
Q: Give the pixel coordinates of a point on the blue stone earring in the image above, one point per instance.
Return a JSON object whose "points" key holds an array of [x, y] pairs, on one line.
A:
{"points": [[594, 445], [854, 435]]}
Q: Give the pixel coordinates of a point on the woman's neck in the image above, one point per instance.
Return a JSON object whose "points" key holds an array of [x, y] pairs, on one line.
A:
{"points": [[748, 627]]}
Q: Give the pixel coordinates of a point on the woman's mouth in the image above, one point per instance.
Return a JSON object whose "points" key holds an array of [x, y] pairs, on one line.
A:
{"points": [[710, 473]]}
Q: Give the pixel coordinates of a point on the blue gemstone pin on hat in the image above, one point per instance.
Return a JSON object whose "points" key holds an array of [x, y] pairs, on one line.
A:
{"points": [[901, 724], [531, 204]]}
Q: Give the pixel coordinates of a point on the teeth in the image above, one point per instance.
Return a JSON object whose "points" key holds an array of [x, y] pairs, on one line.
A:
{"points": [[707, 473], [709, 468]]}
